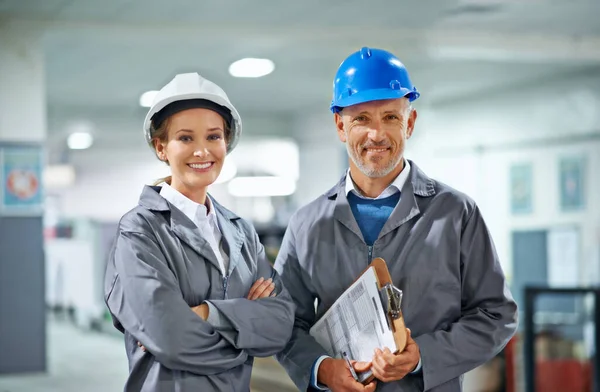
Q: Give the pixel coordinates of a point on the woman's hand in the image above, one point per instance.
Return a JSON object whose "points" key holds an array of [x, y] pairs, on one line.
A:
{"points": [[262, 289], [202, 312]]}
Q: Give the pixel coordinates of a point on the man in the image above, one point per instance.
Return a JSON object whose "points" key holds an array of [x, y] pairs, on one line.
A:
{"points": [[437, 247]]}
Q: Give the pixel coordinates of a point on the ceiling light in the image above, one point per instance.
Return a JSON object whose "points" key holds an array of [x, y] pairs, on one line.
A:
{"points": [[147, 98], [261, 186], [79, 140], [251, 68]]}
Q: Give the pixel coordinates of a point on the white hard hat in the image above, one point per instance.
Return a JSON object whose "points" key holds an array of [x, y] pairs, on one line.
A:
{"points": [[192, 86]]}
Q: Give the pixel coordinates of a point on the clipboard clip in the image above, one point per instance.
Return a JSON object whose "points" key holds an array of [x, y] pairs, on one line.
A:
{"points": [[391, 297]]}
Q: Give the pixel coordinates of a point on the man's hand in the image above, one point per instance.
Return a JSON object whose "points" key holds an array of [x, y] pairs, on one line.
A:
{"points": [[261, 289], [389, 367], [334, 373]]}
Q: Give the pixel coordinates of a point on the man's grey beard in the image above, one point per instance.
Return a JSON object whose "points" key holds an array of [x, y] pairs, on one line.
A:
{"points": [[372, 172]]}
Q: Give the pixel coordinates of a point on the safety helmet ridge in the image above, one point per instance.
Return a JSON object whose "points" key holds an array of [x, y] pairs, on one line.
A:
{"points": [[370, 74], [192, 86]]}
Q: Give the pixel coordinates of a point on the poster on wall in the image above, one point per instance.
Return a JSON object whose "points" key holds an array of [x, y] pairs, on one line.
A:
{"points": [[21, 179], [563, 257], [572, 183], [521, 188]]}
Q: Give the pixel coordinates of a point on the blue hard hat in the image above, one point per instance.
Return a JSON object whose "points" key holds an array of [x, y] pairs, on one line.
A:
{"points": [[369, 75]]}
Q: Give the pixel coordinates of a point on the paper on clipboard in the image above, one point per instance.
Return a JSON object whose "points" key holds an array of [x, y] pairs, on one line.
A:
{"points": [[356, 323]]}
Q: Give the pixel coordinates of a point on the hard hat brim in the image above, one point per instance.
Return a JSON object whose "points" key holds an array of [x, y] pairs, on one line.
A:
{"points": [[374, 95], [236, 128]]}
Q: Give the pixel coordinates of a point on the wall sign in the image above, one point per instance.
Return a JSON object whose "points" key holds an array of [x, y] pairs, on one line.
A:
{"points": [[21, 168]]}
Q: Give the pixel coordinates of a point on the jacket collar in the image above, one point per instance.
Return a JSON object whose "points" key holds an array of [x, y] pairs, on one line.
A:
{"points": [[187, 231], [419, 184]]}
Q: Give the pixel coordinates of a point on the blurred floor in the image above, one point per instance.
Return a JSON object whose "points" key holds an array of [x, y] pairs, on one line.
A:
{"points": [[79, 360]]}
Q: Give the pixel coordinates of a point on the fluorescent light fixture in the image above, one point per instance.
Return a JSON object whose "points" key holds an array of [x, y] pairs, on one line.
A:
{"points": [[228, 171], [472, 53], [80, 140], [147, 98], [261, 186], [251, 68], [58, 176], [269, 156], [490, 54]]}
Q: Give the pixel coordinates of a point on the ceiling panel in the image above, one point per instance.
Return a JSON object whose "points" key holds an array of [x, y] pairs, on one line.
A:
{"points": [[308, 13], [101, 55], [32, 8], [538, 17], [81, 10]]}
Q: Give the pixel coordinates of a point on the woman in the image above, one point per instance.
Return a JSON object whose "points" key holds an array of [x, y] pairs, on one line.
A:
{"points": [[188, 282]]}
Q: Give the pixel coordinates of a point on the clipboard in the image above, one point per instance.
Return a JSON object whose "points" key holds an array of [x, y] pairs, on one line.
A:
{"points": [[391, 298], [367, 315]]}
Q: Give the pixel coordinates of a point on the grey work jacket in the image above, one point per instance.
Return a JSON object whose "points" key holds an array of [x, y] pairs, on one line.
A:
{"points": [[438, 251], [160, 267]]}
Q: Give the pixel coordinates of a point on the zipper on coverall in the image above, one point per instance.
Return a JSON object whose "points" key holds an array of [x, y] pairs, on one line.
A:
{"points": [[225, 281]]}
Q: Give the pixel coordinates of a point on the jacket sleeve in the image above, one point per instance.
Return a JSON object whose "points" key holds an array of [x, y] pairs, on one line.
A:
{"points": [[144, 298], [302, 351], [489, 314], [261, 327]]}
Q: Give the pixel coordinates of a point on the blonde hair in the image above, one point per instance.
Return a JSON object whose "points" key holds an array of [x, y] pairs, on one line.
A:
{"points": [[161, 135]]}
